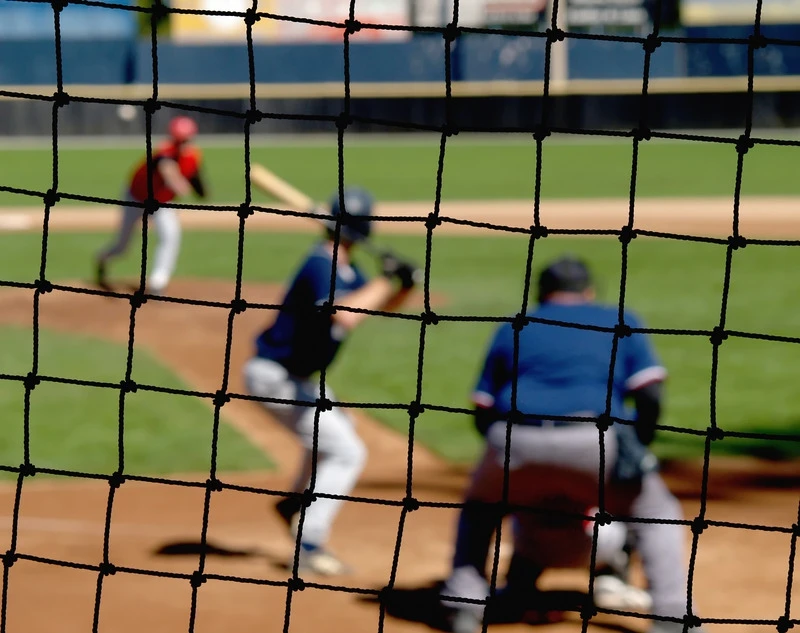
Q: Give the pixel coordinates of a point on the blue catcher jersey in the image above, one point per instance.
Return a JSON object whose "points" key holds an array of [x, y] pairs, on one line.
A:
{"points": [[564, 370], [302, 339]]}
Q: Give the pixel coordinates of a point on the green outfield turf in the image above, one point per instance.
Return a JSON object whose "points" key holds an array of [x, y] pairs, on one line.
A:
{"points": [[672, 285], [76, 427], [407, 171]]}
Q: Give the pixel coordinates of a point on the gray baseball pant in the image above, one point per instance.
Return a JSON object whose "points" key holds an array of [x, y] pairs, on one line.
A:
{"points": [[557, 468], [168, 230], [341, 453]]}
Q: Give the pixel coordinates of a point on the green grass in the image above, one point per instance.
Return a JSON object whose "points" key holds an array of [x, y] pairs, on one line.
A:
{"points": [[503, 169], [670, 284], [74, 427]]}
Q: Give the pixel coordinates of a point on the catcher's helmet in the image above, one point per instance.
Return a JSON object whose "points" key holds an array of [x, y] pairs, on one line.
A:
{"points": [[566, 274], [355, 217]]}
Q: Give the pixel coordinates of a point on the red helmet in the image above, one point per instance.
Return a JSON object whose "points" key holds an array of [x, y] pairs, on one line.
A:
{"points": [[182, 128]]}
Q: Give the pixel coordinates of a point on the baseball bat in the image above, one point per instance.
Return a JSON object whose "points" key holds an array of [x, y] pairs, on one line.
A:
{"points": [[272, 184]]}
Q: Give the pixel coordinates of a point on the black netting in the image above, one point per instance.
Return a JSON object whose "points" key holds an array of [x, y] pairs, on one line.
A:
{"points": [[540, 132]]}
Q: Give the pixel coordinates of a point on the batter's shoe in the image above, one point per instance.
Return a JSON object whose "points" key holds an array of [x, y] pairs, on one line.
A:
{"points": [[613, 593], [321, 562], [463, 621]]}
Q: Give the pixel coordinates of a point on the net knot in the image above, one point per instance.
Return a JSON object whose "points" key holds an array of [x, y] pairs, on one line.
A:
{"points": [[699, 525], [58, 5], [197, 579], [323, 404], [251, 17], [307, 498], [116, 480], [515, 416], [159, 11], [555, 35], [603, 422], [43, 286], [151, 206], [448, 129], [51, 197], [796, 530], [27, 470], [253, 116], [221, 398], [342, 121], [432, 221], [451, 32], [651, 43], [296, 584], [692, 621], [150, 106], [238, 306], [9, 558], [519, 322], [744, 143], [60, 98], [128, 386], [31, 380], [757, 40], [213, 484], [415, 409], [138, 299], [737, 241], [410, 504], [107, 569], [641, 133], [429, 318], [622, 330], [626, 234], [352, 26], [588, 611], [784, 624], [717, 336], [244, 211], [539, 231], [540, 132], [715, 433], [603, 518]]}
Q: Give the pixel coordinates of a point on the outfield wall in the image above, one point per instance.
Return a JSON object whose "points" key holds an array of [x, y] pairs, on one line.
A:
{"points": [[414, 73]]}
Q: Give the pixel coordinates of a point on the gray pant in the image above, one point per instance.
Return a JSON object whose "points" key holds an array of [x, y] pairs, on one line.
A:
{"points": [[341, 454], [168, 229], [557, 468]]}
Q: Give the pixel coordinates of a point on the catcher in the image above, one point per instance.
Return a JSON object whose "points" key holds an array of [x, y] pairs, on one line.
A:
{"points": [[304, 340], [553, 389]]}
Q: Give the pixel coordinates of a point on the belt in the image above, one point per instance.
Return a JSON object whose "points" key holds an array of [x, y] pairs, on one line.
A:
{"points": [[548, 423]]}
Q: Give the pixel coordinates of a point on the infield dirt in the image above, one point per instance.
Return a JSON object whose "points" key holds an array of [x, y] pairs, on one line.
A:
{"points": [[740, 574]]}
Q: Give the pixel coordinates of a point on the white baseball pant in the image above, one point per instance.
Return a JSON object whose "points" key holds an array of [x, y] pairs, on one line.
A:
{"points": [[341, 453], [167, 227]]}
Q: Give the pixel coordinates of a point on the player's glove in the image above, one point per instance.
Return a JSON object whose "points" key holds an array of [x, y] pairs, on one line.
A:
{"points": [[393, 267]]}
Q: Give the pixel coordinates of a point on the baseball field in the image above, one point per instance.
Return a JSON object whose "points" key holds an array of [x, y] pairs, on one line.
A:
{"points": [[676, 285]]}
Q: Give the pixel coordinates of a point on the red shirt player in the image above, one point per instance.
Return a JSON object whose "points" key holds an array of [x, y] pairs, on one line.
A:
{"points": [[176, 173]]}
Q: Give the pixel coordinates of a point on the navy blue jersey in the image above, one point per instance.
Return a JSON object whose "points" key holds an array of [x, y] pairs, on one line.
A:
{"points": [[564, 370], [302, 339]]}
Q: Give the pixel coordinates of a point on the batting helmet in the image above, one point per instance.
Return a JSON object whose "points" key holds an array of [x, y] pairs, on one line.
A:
{"points": [[182, 128], [356, 224], [566, 274]]}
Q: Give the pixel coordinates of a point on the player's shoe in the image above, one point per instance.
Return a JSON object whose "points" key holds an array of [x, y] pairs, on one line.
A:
{"points": [[288, 510], [321, 562], [100, 275], [611, 592], [463, 621]]}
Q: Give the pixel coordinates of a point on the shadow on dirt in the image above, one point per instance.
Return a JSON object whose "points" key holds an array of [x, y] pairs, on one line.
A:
{"points": [[421, 605], [195, 548]]}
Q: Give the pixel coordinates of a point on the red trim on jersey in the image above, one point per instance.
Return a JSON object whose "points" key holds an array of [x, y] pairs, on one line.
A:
{"points": [[188, 159]]}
